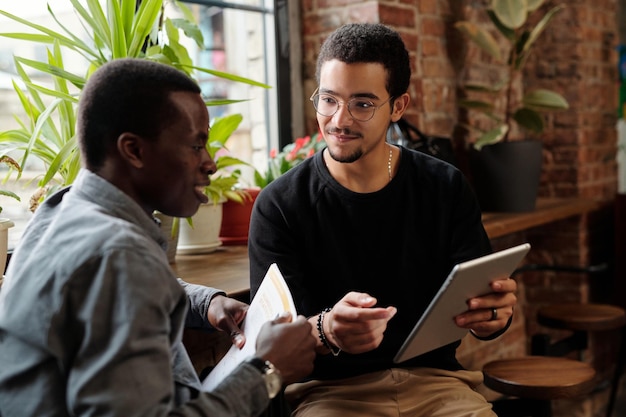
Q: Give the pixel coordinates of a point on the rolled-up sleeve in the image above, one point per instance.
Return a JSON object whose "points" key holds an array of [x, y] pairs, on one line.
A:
{"points": [[199, 299]]}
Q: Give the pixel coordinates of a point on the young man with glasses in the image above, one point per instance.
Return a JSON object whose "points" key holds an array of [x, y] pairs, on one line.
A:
{"points": [[365, 233]]}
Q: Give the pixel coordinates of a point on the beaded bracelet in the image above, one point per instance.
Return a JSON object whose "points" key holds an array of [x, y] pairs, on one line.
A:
{"points": [[320, 331]]}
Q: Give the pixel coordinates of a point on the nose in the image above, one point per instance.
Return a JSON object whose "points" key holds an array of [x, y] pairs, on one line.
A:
{"points": [[208, 164], [342, 116]]}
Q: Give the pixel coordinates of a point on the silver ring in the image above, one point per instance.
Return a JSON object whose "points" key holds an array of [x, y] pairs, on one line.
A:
{"points": [[494, 314]]}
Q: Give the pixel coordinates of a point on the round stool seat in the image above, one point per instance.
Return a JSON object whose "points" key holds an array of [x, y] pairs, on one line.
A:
{"points": [[539, 377], [584, 317]]}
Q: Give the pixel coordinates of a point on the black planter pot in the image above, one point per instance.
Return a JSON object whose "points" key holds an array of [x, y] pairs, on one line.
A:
{"points": [[506, 175]]}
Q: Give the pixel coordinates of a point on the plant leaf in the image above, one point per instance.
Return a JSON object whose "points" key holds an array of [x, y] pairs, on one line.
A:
{"points": [[481, 38], [493, 136], [542, 99], [228, 76], [525, 45], [512, 13], [529, 119], [485, 88], [476, 105], [223, 127], [190, 29], [78, 82], [504, 30], [145, 19]]}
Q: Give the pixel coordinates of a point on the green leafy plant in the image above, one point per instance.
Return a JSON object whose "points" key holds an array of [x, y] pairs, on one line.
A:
{"points": [[121, 29], [224, 183], [510, 19], [290, 156]]}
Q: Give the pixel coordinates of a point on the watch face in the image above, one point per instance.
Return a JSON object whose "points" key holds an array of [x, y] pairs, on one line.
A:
{"points": [[273, 382]]}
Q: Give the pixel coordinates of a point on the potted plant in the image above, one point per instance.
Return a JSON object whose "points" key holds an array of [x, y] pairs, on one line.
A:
{"points": [[201, 233], [290, 156], [236, 217], [517, 163], [143, 31]]}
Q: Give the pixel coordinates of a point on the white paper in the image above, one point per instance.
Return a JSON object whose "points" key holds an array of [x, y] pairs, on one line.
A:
{"points": [[272, 298]]}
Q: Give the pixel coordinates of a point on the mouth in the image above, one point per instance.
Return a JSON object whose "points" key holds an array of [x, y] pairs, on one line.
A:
{"points": [[343, 136], [199, 189]]}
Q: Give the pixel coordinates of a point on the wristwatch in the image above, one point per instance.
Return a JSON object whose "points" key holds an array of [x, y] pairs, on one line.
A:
{"points": [[273, 380]]}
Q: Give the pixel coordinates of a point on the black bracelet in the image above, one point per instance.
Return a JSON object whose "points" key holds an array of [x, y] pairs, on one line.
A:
{"points": [[320, 331]]}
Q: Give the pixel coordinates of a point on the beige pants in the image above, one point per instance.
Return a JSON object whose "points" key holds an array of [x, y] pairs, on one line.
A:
{"points": [[416, 392]]}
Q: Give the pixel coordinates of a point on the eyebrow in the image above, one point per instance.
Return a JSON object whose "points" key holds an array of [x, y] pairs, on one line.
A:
{"points": [[356, 95]]}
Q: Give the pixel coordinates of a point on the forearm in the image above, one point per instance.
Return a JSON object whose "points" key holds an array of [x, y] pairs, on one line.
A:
{"points": [[199, 299]]}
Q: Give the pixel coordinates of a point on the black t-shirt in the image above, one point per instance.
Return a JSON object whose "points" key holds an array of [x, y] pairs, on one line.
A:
{"points": [[397, 244]]}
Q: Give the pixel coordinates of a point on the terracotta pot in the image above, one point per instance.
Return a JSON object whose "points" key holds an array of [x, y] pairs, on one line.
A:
{"points": [[236, 219]]}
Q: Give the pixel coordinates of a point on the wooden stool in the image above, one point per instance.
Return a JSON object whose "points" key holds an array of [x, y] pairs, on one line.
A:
{"points": [[581, 319], [534, 381]]}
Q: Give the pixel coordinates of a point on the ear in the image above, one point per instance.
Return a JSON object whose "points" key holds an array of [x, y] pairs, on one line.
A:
{"points": [[130, 148], [400, 105]]}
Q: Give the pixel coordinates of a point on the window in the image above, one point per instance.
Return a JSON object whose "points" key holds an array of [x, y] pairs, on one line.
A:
{"points": [[249, 38], [239, 38], [252, 38]]}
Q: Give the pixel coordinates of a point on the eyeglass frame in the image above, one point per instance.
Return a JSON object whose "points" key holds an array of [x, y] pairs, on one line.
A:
{"points": [[347, 103]]}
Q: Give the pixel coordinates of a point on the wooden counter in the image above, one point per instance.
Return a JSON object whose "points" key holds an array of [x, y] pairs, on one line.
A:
{"points": [[546, 211], [228, 268]]}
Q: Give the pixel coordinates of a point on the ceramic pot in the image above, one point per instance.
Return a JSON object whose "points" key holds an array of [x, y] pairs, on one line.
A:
{"points": [[203, 235], [5, 225]]}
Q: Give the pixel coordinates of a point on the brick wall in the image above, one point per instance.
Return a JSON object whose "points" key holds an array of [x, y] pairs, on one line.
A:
{"points": [[576, 56]]}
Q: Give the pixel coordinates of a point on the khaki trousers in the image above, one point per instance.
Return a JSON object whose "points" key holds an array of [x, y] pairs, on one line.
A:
{"points": [[414, 392]]}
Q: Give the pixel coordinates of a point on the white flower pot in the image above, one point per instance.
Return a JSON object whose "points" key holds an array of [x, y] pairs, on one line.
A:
{"points": [[203, 237], [5, 225]]}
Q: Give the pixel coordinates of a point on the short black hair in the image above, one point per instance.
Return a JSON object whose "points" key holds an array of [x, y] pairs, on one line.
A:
{"points": [[370, 43], [126, 95]]}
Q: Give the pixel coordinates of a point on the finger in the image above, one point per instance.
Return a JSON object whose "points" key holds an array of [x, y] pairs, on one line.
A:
{"points": [[359, 299], [504, 285], [347, 311], [492, 300], [236, 335], [284, 317]]}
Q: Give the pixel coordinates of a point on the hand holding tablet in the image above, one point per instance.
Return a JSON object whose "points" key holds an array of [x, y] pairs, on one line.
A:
{"points": [[469, 279]]}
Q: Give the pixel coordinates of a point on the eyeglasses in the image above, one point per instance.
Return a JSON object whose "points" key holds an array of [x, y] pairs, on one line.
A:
{"points": [[360, 109]]}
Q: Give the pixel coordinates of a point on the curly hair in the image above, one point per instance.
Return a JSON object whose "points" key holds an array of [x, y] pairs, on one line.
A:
{"points": [[126, 95], [369, 43]]}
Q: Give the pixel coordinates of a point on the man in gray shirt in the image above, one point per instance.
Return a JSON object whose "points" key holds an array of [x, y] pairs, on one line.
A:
{"points": [[91, 314]]}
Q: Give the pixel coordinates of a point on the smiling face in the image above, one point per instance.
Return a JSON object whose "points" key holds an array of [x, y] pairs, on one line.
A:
{"points": [[176, 164], [348, 139]]}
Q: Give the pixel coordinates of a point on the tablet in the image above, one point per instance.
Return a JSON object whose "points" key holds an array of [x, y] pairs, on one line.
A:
{"points": [[469, 279]]}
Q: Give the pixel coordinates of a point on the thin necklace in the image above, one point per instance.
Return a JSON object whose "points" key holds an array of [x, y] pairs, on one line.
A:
{"points": [[389, 162]]}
